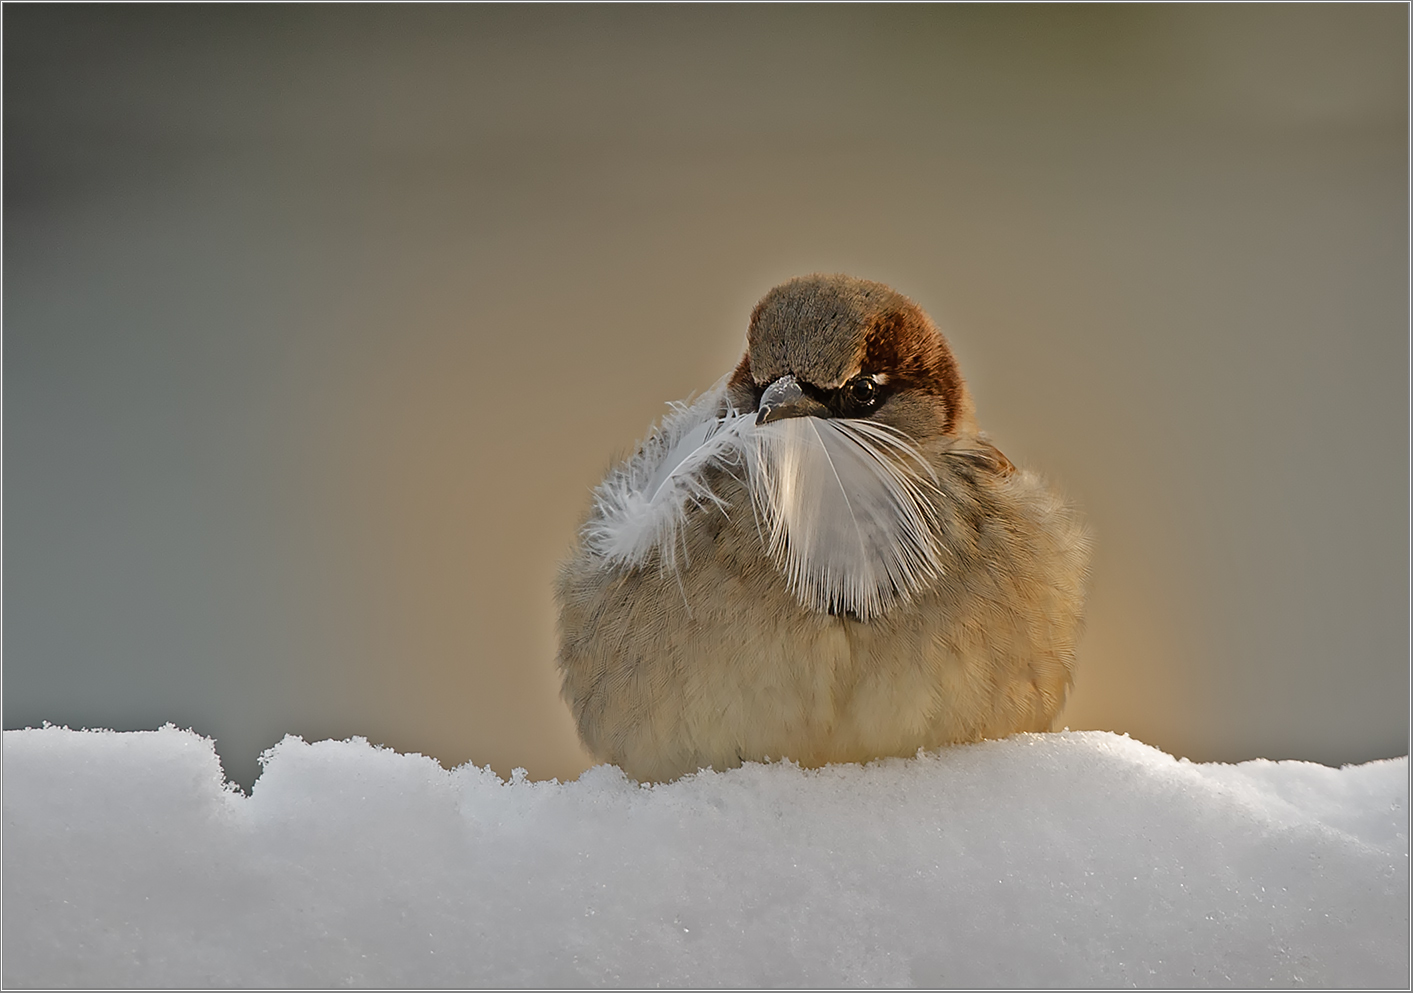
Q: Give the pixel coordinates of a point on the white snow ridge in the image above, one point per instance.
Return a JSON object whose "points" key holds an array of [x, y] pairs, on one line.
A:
{"points": [[1060, 860]]}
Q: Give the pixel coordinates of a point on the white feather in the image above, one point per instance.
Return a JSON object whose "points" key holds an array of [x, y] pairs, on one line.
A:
{"points": [[642, 505], [846, 506], [849, 511]]}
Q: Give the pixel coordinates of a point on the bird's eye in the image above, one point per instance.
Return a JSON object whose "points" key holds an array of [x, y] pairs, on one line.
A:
{"points": [[862, 390]]}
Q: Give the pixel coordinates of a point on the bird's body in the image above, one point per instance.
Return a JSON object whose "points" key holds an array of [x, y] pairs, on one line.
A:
{"points": [[802, 565]]}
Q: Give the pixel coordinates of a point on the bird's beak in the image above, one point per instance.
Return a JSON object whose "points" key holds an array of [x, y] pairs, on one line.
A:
{"points": [[784, 398]]}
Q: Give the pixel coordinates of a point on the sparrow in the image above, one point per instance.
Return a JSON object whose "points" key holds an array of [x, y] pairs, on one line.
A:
{"points": [[821, 559]]}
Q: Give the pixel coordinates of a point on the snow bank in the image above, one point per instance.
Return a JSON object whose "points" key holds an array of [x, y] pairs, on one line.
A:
{"points": [[1076, 859]]}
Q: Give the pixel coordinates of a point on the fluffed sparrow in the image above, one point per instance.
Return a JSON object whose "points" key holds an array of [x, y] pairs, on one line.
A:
{"points": [[821, 559]]}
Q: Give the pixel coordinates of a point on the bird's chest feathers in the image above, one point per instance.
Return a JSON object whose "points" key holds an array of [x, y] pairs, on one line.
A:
{"points": [[844, 510]]}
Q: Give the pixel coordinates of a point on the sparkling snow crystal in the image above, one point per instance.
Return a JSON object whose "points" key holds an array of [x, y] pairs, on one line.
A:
{"points": [[1076, 859]]}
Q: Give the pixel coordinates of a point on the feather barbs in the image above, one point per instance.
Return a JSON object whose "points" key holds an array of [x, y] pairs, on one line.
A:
{"points": [[846, 507]]}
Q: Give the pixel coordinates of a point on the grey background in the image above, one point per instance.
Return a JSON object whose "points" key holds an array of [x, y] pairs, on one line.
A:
{"points": [[321, 322]]}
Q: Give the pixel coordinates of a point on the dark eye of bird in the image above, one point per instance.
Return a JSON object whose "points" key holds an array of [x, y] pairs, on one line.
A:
{"points": [[861, 391]]}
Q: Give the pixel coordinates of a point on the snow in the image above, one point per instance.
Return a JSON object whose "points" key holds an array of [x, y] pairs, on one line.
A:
{"points": [[1073, 859]]}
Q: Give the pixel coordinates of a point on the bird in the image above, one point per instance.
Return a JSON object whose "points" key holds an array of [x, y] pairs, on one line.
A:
{"points": [[821, 559]]}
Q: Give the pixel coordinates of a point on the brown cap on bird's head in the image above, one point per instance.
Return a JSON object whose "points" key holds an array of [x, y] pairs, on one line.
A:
{"points": [[836, 346]]}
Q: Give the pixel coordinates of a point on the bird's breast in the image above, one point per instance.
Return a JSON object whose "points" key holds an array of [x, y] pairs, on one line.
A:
{"points": [[764, 676]]}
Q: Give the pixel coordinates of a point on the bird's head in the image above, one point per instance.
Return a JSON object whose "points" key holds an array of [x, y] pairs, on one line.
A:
{"points": [[832, 346]]}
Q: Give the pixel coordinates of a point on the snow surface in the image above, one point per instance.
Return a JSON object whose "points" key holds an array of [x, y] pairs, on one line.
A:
{"points": [[1074, 859]]}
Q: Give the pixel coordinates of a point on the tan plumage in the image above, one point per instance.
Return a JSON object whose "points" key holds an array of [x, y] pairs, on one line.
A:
{"points": [[698, 643]]}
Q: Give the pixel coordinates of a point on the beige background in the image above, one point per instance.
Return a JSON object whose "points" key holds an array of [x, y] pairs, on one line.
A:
{"points": [[321, 323]]}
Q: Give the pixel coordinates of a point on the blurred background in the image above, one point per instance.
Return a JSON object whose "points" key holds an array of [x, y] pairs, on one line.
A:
{"points": [[321, 322]]}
